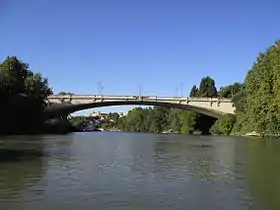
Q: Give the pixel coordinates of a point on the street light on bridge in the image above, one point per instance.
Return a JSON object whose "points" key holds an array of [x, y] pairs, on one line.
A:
{"points": [[182, 89], [140, 89], [176, 91], [100, 88]]}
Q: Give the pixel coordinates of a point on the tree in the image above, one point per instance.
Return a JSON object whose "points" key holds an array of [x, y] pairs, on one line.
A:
{"points": [[194, 91], [36, 86], [65, 93], [160, 119], [16, 78], [23, 95], [12, 75], [187, 121], [207, 87], [260, 101], [239, 101], [173, 120], [80, 122], [224, 124], [230, 90]]}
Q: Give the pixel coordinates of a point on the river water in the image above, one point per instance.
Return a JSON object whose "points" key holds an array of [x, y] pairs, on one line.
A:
{"points": [[114, 170]]}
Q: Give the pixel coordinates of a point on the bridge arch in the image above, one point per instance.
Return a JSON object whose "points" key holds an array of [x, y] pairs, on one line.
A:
{"points": [[63, 109]]}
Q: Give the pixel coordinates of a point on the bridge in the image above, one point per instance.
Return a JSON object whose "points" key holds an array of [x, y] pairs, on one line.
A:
{"points": [[63, 105]]}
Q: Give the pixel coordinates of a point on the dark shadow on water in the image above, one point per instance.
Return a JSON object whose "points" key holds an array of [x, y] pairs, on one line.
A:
{"points": [[7, 155], [21, 164]]}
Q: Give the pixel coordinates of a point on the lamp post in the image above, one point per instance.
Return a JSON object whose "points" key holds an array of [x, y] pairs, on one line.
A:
{"points": [[176, 91], [100, 88], [140, 89], [182, 89]]}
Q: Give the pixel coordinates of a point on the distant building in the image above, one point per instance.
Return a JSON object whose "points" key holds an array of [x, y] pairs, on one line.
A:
{"points": [[99, 115]]}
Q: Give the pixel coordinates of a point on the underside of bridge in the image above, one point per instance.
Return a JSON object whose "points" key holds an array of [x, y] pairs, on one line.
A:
{"points": [[58, 110]]}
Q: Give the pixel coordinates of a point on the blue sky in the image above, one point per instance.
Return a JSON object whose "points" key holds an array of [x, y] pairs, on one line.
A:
{"points": [[123, 43]]}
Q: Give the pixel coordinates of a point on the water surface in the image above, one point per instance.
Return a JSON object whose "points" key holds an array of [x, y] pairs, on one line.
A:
{"points": [[114, 170]]}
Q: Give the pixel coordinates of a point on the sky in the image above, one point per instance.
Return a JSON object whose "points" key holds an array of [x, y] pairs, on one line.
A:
{"points": [[125, 44]]}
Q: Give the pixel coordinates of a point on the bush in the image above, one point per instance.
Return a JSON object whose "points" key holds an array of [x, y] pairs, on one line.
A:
{"points": [[224, 125]]}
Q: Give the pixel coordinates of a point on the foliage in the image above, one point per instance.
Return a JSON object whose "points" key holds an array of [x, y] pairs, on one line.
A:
{"points": [[111, 121], [16, 78], [224, 124], [230, 90], [22, 95], [194, 91], [36, 86], [187, 120], [65, 93], [81, 122], [259, 102], [239, 101], [156, 120], [207, 87]]}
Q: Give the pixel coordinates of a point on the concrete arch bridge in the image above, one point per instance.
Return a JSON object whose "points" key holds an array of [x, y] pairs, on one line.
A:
{"points": [[63, 105]]}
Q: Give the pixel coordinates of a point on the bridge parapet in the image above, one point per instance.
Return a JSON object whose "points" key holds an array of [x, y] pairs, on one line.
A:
{"points": [[130, 97]]}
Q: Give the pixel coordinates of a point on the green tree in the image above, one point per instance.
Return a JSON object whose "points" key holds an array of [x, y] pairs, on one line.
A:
{"points": [[12, 75], [23, 95], [36, 86], [187, 121], [239, 101], [174, 120], [207, 87], [160, 119], [80, 122], [65, 93], [194, 91], [135, 120], [224, 124], [230, 90], [262, 88]]}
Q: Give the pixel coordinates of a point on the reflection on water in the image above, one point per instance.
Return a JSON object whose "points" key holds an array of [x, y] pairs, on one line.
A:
{"points": [[21, 166], [264, 172], [140, 171]]}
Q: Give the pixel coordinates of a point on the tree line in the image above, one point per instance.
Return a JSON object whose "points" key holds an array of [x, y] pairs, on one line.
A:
{"points": [[257, 101]]}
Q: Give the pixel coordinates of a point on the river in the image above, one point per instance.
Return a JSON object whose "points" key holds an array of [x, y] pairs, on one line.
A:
{"points": [[115, 170]]}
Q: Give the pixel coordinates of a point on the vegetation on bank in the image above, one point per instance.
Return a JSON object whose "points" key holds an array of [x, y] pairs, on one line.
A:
{"points": [[159, 119], [155, 120], [257, 100], [22, 94]]}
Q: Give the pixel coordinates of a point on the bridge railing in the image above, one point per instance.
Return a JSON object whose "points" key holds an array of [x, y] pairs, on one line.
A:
{"points": [[135, 97]]}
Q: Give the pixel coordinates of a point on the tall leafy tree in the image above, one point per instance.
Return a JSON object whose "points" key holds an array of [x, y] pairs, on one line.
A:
{"points": [[22, 95], [262, 86], [207, 87]]}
